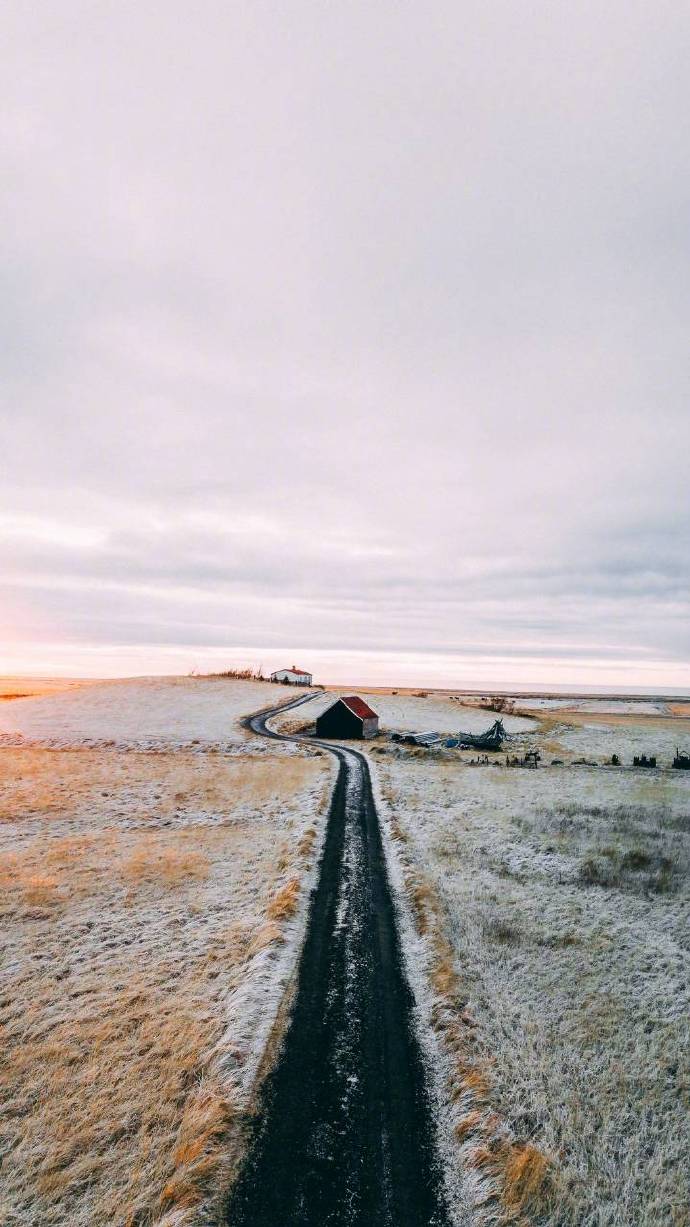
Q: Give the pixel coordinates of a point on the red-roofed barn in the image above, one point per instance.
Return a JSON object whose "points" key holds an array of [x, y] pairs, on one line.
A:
{"points": [[348, 717]]}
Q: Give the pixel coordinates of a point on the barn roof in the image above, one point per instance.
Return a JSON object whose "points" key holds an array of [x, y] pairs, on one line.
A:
{"points": [[291, 669], [358, 707]]}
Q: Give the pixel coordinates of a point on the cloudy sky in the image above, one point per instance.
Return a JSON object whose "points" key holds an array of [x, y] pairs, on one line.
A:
{"points": [[345, 332]]}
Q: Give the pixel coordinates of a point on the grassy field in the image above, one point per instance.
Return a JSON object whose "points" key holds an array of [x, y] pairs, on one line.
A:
{"points": [[153, 867], [150, 908], [554, 912]]}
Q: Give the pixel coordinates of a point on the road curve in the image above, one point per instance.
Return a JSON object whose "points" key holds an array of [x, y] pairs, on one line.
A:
{"points": [[345, 1137]]}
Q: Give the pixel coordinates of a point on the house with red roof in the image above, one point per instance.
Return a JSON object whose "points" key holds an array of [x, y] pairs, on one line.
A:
{"points": [[292, 676], [348, 717]]}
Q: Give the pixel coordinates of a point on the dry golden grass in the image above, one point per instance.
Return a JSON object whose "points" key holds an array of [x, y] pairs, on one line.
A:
{"points": [[152, 861], [521, 1171], [206, 1145], [283, 905], [525, 1174], [40, 891], [397, 832], [137, 890], [268, 935], [98, 1099], [306, 843], [468, 1125], [421, 899], [159, 786], [31, 687]]}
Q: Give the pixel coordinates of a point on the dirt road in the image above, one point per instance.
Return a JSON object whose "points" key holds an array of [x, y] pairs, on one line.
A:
{"points": [[346, 1136]]}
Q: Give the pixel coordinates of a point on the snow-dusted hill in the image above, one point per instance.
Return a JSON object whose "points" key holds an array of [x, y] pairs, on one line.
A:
{"points": [[144, 713]]}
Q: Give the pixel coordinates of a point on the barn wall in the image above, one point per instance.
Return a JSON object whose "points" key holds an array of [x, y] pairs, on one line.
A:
{"points": [[338, 721]]}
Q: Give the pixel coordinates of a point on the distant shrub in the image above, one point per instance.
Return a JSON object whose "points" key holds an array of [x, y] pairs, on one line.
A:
{"points": [[635, 859], [499, 703], [680, 823], [596, 872], [664, 880], [635, 870]]}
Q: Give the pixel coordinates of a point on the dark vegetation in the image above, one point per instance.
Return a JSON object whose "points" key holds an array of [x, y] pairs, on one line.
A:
{"points": [[240, 675], [622, 847]]}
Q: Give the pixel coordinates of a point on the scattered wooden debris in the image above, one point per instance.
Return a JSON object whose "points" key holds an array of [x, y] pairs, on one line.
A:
{"points": [[531, 758], [492, 739]]}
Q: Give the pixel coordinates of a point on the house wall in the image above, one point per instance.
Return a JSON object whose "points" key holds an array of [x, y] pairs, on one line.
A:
{"points": [[338, 721]]}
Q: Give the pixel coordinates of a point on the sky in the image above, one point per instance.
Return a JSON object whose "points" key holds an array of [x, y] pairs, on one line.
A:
{"points": [[346, 334]]}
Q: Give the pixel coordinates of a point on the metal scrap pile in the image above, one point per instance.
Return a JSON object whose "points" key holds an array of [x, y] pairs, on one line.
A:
{"points": [[492, 739]]}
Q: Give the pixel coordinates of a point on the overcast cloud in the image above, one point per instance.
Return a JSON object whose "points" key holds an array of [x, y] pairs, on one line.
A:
{"points": [[354, 332]]}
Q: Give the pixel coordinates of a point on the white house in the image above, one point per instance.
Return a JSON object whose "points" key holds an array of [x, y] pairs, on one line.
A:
{"points": [[292, 676]]}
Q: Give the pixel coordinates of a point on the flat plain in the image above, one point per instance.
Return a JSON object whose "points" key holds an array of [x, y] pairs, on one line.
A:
{"points": [[155, 863], [151, 874]]}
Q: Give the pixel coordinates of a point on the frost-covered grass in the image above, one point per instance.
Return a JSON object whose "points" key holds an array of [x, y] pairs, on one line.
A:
{"points": [[614, 705], [151, 906], [579, 736], [438, 713], [562, 976], [144, 713], [424, 713], [598, 728]]}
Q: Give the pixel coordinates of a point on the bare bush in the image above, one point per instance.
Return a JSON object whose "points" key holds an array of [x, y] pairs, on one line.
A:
{"points": [[238, 675]]}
